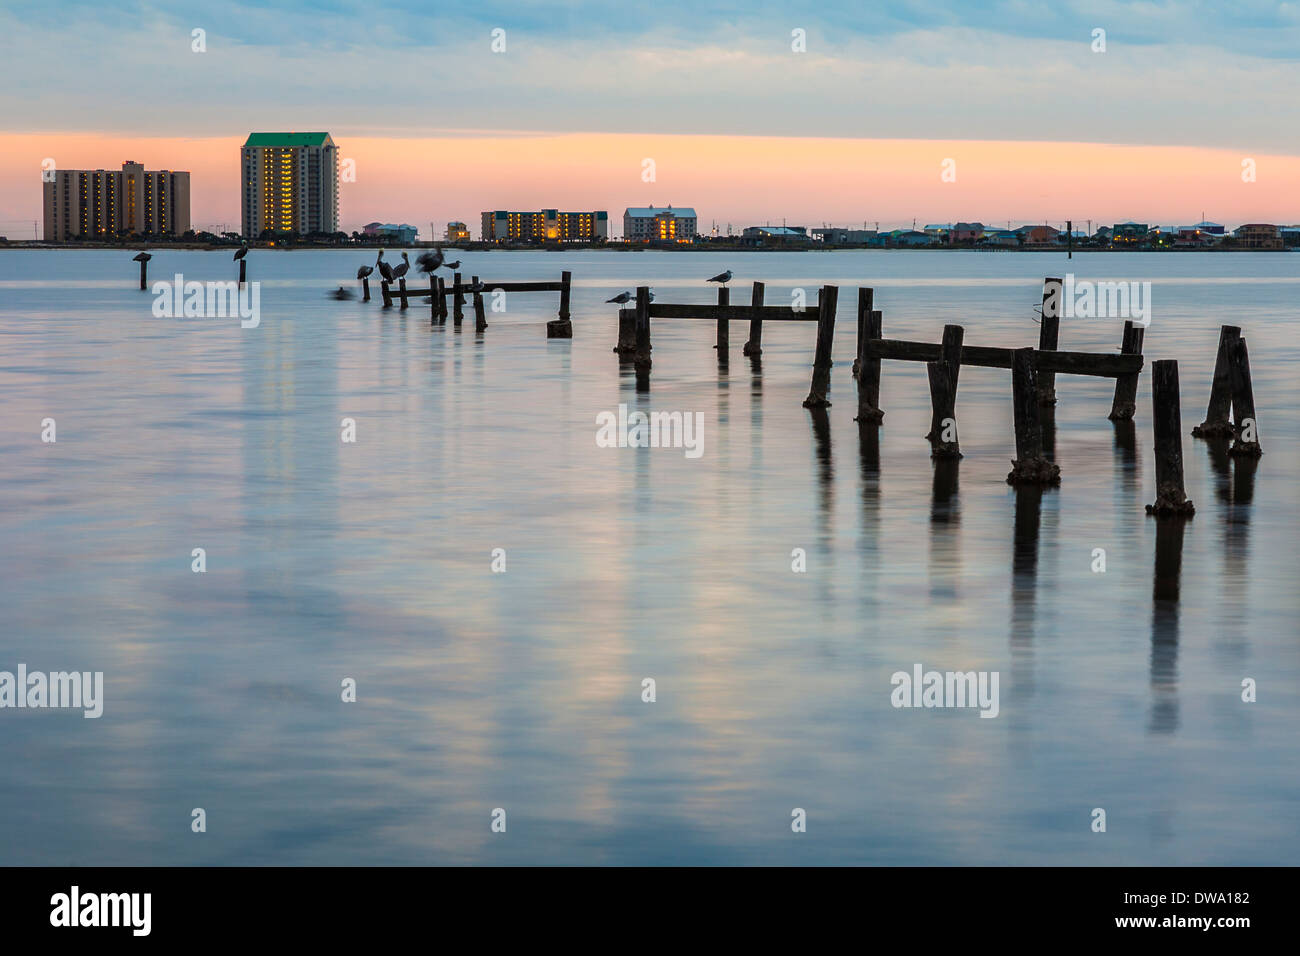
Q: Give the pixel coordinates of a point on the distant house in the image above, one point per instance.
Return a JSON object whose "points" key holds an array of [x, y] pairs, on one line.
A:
{"points": [[1129, 233], [1038, 235], [403, 234], [843, 237], [1258, 235], [665, 224], [912, 237], [1210, 228], [939, 231], [967, 231], [776, 234], [1290, 235], [457, 232], [1102, 235], [1001, 239]]}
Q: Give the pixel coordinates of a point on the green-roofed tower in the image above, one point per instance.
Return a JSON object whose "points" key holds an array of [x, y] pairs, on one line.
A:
{"points": [[289, 183]]}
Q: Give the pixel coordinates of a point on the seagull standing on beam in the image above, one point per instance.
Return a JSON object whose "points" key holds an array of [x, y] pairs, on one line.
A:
{"points": [[722, 277]]}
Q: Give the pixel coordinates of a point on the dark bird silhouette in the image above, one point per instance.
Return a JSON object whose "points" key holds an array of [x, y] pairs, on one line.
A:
{"points": [[341, 293], [402, 267], [723, 277], [243, 251], [621, 298], [477, 286], [384, 268], [429, 262], [452, 265], [141, 257], [365, 271]]}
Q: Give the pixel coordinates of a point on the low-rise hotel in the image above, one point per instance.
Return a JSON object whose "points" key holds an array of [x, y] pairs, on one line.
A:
{"points": [[113, 204], [665, 224], [546, 225]]}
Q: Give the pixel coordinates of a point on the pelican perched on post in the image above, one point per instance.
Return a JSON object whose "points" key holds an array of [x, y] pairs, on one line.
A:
{"points": [[402, 267], [385, 270], [621, 298], [364, 272], [241, 252], [722, 277], [429, 262]]}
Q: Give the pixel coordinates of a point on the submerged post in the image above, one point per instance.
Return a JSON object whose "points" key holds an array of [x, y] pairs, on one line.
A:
{"points": [[1171, 498], [1216, 424], [480, 319], [365, 289], [1048, 335], [723, 343], [565, 277], [943, 395], [755, 344], [1124, 406], [1029, 466], [865, 297], [641, 356], [386, 293], [1243, 404], [401, 291], [458, 300], [821, 375], [869, 374]]}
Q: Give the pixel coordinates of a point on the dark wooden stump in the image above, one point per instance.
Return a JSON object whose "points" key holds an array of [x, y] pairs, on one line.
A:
{"points": [[626, 332], [458, 300], [869, 375], [563, 317], [401, 292], [243, 271], [1243, 404], [755, 344], [386, 293], [365, 289], [480, 318], [865, 299], [821, 375], [943, 393], [1029, 467], [144, 274], [1166, 422], [435, 297], [1124, 405], [723, 343], [641, 356], [1217, 423], [1048, 335], [559, 329]]}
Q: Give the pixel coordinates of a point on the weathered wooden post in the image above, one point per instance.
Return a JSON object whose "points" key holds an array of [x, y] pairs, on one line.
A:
{"points": [[723, 343], [458, 300], [865, 301], [401, 291], [1216, 424], [1243, 404], [442, 301], [869, 373], [1048, 335], [562, 327], [1124, 406], [435, 298], [1029, 466], [480, 318], [243, 272], [386, 293], [144, 273], [943, 395], [1171, 499], [365, 288], [641, 358], [755, 344], [821, 375], [626, 332]]}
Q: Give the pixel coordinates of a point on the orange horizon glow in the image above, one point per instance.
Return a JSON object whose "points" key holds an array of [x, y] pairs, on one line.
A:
{"points": [[736, 180]]}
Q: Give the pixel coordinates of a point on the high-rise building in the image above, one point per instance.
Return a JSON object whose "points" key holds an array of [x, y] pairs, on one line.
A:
{"points": [[546, 225], [648, 224], [110, 203], [290, 183]]}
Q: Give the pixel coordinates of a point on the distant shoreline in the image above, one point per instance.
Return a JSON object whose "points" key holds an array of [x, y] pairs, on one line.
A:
{"points": [[32, 244]]}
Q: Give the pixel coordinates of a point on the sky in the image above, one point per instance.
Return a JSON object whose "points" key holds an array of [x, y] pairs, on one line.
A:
{"points": [[808, 113]]}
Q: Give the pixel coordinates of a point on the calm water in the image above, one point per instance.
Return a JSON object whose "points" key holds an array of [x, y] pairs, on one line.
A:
{"points": [[522, 690]]}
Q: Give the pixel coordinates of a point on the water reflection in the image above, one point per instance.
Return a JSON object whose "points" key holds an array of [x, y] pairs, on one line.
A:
{"points": [[1127, 461], [945, 514], [821, 425], [1164, 624], [1024, 586]]}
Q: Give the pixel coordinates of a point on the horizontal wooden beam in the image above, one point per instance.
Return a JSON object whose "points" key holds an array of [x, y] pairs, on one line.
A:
{"points": [[739, 313], [1068, 363], [449, 288]]}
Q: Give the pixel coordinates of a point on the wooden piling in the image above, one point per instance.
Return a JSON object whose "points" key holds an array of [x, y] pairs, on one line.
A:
{"points": [[626, 332], [480, 318], [1217, 423], [1124, 405], [401, 291], [641, 357], [1243, 404], [458, 301], [144, 274], [1166, 421], [1029, 466], [865, 300], [386, 293], [442, 301], [243, 271], [869, 374], [755, 344], [435, 298], [565, 278], [723, 343], [1048, 335], [365, 289], [821, 375], [943, 394]]}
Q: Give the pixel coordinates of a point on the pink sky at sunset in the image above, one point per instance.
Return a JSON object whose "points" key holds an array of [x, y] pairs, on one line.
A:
{"points": [[739, 180]]}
